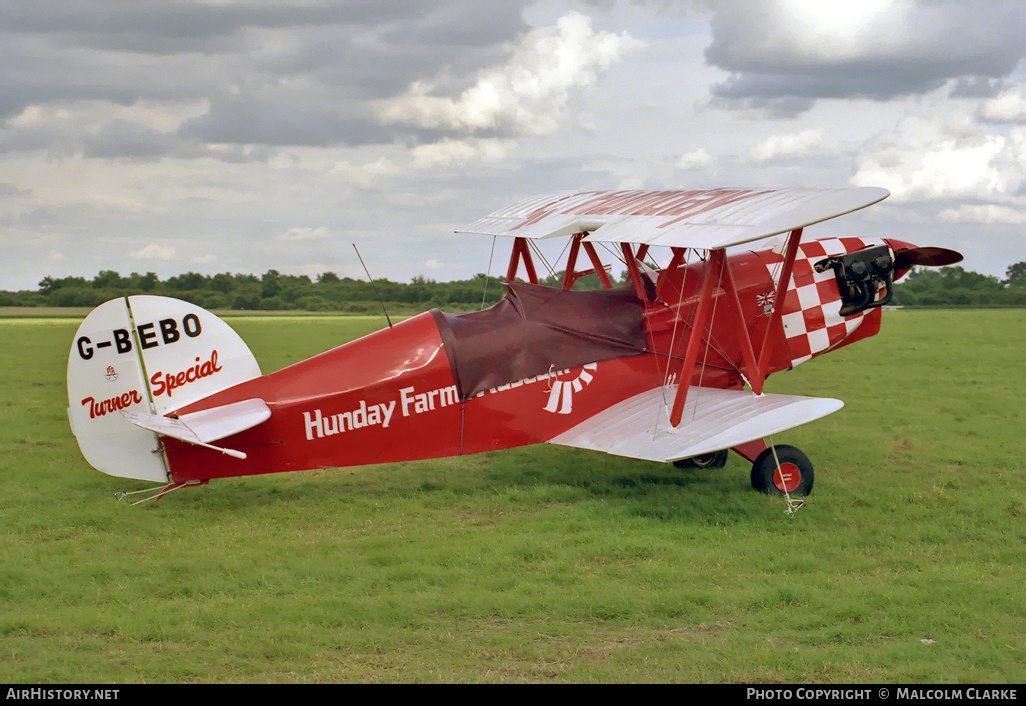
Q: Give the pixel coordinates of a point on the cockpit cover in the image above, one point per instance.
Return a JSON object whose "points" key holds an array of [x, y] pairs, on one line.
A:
{"points": [[537, 329]]}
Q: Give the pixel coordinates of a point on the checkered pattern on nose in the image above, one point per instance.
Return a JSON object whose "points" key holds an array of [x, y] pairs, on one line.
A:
{"points": [[811, 314]]}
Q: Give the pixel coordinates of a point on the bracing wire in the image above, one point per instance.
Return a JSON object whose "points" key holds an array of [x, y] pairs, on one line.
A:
{"points": [[541, 256], [793, 506], [488, 272]]}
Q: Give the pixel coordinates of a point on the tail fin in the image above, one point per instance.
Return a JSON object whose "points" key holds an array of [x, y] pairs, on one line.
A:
{"points": [[150, 355]]}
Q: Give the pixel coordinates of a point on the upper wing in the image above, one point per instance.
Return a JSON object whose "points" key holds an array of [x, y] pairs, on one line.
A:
{"points": [[713, 419], [706, 219]]}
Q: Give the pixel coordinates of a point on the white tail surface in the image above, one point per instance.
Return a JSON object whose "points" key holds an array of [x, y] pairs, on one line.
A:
{"points": [[145, 355], [208, 425]]}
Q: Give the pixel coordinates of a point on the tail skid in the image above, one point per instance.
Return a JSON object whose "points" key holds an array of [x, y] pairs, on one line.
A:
{"points": [[157, 493], [141, 358]]}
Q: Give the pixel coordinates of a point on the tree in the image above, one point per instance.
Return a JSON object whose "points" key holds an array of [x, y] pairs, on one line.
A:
{"points": [[148, 281], [108, 279], [222, 282], [1015, 275], [190, 280], [271, 283], [141, 283], [48, 284]]}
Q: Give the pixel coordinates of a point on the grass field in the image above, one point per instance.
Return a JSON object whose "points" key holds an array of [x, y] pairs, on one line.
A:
{"points": [[541, 564]]}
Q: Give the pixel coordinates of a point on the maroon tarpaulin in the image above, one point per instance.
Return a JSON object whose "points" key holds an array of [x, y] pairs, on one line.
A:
{"points": [[535, 329]]}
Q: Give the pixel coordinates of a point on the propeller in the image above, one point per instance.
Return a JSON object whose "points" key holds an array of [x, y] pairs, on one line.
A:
{"points": [[931, 257]]}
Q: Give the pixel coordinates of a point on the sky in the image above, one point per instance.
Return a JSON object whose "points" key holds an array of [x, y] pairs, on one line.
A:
{"points": [[212, 136]]}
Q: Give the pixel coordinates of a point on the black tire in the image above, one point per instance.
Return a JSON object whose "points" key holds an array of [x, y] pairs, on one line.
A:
{"points": [[715, 459], [796, 467]]}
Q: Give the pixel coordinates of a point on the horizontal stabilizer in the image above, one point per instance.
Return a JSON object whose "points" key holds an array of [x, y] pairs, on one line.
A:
{"points": [[706, 219], [201, 428], [713, 419]]}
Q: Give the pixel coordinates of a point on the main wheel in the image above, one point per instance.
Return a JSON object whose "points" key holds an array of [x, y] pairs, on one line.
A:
{"points": [[715, 459], [795, 474]]}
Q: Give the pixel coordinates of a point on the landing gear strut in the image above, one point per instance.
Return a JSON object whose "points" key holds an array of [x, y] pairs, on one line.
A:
{"points": [[794, 475]]}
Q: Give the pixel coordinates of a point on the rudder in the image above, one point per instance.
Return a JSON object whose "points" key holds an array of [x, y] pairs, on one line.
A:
{"points": [[146, 354]]}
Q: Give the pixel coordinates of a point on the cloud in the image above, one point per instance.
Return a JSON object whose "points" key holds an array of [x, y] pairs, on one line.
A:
{"points": [[804, 50], [300, 233], [278, 74], [175, 26], [984, 213], [695, 160], [256, 125], [781, 147], [448, 152], [923, 160], [154, 251], [367, 176], [283, 121], [526, 95], [1009, 107]]}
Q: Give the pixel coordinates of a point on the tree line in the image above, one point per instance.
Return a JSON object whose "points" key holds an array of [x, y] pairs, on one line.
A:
{"points": [[274, 291], [956, 286], [271, 291]]}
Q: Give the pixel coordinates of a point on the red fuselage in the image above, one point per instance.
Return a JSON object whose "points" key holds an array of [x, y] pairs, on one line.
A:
{"points": [[396, 394]]}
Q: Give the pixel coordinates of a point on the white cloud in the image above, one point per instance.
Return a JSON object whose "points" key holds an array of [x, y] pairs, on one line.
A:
{"points": [[791, 53], [788, 146], [695, 160], [366, 176], [115, 131], [448, 152], [984, 213], [923, 159], [527, 95], [154, 251], [1009, 107], [837, 31]]}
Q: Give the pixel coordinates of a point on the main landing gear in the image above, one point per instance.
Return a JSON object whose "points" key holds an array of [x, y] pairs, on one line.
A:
{"points": [[776, 470], [782, 469], [715, 459]]}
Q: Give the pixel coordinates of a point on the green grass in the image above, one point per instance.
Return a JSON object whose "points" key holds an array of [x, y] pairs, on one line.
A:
{"points": [[541, 564]]}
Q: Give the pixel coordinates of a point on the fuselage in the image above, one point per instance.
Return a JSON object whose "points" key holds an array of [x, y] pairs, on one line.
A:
{"points": [[399, 394]]}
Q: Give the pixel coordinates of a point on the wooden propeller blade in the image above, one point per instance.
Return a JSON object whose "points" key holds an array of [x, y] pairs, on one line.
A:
{"points": [[931, 257]]}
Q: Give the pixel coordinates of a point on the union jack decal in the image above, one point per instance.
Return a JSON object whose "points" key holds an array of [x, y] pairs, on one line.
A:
{"points": [[766, 302]]}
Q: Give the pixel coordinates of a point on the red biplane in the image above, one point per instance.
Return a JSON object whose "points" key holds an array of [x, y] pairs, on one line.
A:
{"points": [[669, 367]]}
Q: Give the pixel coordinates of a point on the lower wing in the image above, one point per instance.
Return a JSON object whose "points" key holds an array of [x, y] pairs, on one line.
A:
{"points": [[713, 419]]}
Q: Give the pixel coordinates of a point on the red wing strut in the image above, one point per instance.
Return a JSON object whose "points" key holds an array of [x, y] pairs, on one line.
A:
{"points": [[717, 274]]}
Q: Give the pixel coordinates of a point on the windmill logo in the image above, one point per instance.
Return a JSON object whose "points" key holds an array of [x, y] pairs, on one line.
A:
{"points": [[561, 394]]}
